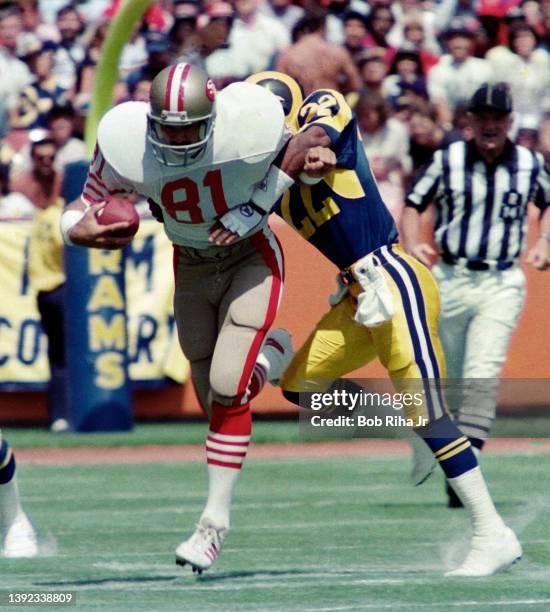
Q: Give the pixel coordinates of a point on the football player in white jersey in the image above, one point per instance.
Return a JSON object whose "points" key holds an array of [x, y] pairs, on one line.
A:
{"points": [[207, 160]]}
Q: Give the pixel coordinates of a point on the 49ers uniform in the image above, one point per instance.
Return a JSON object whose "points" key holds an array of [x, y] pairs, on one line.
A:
{"points": [[226, 297]]}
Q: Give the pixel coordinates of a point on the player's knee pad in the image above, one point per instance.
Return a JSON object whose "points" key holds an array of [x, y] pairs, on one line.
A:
{"points": [[7, 463]]}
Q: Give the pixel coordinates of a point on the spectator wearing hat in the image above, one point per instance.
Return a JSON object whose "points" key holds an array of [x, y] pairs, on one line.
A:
{"points": [[317, 64], [458, 74], [36, 100], [284, 10], [526, 68], [481, 190], [14, 73], [160, 55]]}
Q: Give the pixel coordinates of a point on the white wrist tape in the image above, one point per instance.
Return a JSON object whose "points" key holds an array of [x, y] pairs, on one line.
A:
{"points": [[275, 183], [69, 219], [306, 179]]}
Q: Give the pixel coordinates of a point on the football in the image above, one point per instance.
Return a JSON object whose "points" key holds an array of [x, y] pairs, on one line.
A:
{"points": [[119, 209]]}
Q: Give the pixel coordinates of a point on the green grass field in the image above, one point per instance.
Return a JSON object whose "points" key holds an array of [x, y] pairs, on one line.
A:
{"points": [[308, 535]]}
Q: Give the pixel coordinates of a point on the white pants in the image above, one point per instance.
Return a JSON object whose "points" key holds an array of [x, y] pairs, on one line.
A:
{"points": [[479, 311]]}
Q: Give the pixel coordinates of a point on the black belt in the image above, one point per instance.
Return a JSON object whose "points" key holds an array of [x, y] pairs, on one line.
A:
{"points": [[479, 266]]}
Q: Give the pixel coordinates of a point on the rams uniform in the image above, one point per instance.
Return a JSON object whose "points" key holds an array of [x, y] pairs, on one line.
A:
{"points": [[344, 217]]}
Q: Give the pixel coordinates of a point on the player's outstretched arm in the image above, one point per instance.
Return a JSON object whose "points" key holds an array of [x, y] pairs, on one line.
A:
{"points": [[410, 237], [308, 152], [539, 254], [80, 227]]}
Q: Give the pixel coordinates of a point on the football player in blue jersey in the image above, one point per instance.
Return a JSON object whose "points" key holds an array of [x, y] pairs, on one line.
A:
{"points": [[387, 307]]}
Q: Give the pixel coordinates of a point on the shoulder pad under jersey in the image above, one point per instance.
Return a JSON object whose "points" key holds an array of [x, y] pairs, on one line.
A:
{"points": [[122, 138], [251, 121]]}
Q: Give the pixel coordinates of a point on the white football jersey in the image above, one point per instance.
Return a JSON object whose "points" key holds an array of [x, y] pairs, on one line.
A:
{"points": [[248, 134]]}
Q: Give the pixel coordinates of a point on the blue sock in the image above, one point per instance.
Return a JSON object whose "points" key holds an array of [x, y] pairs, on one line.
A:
{"points": [[449, 445], [7, 463]]}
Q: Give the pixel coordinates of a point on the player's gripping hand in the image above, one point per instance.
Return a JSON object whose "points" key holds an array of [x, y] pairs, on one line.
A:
{"points": [[539, 255], [319, 161], [88, 232], [233, 224]]}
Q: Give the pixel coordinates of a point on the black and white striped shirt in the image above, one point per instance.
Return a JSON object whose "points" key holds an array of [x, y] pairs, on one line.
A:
{"points": [[481, 208]]}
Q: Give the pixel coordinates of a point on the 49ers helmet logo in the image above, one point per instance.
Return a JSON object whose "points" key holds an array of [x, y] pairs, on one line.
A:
{"points": [[210, 89]]}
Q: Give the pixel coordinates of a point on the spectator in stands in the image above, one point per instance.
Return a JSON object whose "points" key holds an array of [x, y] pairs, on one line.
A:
{"points": [[406, 74], [379, 23], [41, 183], [185, 24], [208, 48], [13, 205], [373, 70], [448, 11], [315, 63], [386, 144], [32, 21], [69, 52], [337, 9], [425, 137], [14, 74], [47, 279], [284, 10], [60, 122], [405, 10], [256, 37], [140, 90], [457, 75], [414, 37], [526, 68], [36, 100], [355, 30], [160, 55]]}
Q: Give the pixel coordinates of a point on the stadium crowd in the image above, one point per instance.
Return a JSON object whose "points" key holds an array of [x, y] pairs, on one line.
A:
{"points": [[406, 67]]}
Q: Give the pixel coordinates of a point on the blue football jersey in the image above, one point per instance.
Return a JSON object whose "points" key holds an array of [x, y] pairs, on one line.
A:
{"points": [[343, 215]]}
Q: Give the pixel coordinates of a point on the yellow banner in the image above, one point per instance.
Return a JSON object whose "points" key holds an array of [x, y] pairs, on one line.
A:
{"points": [[153, 349]]}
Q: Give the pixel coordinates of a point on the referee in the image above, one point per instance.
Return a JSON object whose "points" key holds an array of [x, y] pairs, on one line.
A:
{"points": [[480, 190]]}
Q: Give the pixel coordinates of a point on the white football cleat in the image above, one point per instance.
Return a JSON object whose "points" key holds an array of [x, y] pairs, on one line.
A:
{"points": [[424, 462], [490, 554], [20, 539], [276, 354], [203, 547]]}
